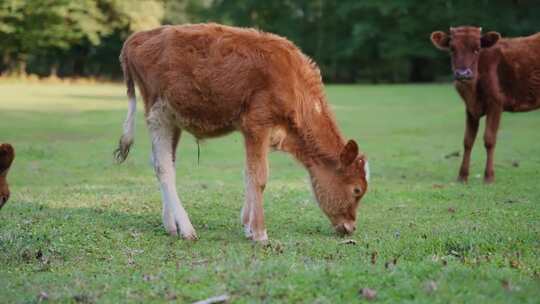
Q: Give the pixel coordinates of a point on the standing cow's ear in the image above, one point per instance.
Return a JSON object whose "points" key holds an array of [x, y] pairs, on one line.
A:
{"points": [[489, 39], [440, 40], [349, 153]]}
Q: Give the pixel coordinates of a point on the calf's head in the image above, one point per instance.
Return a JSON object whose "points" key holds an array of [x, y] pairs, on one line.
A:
{"points": [[339, 187], [6, 158], [464, 44]]}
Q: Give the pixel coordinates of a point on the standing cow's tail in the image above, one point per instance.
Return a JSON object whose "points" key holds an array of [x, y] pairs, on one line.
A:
{"points": [[124, 145]]}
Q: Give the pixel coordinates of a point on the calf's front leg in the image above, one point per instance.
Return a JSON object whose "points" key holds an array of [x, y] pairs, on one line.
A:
{"points": [[493, 119], [471, 129], [164, 139], [256, 175]]}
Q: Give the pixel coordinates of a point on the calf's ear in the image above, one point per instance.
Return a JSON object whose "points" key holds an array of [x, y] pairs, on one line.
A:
{"points": [[489, 39], [349, 153], [440, 40]]}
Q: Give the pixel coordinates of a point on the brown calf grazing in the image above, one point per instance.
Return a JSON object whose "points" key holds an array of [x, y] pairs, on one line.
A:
{"points": [[210, 80], [493, 75], [7, 154]]}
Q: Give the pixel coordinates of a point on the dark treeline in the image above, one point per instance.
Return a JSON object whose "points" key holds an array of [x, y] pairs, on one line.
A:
{"points": [[351, 40]]}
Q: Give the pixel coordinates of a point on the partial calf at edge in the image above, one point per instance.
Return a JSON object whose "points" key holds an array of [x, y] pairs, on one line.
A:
{"points": [[7, 154]]}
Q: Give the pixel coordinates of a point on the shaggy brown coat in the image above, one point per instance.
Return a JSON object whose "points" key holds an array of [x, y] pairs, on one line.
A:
{"points": [[217, 79], [493, 75]]}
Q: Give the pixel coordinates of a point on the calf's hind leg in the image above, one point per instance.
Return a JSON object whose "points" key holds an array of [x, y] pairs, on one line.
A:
{"points": [[165, 136]]}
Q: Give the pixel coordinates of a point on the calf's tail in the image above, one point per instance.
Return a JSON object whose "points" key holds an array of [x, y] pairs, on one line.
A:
{"points": [[125, 142]]}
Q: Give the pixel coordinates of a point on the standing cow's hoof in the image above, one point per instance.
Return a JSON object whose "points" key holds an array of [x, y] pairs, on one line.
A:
{"points": [[489, 180], [463, 179]]}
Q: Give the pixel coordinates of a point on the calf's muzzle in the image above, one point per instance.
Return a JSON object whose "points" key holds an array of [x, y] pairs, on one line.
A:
{"points": [[345, 228]]}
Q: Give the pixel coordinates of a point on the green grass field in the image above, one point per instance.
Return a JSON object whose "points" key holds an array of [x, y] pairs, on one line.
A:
{"points": [[80, 228]]}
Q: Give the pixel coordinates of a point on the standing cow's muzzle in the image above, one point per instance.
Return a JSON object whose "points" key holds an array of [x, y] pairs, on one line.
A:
{"points": [[463, 74]]}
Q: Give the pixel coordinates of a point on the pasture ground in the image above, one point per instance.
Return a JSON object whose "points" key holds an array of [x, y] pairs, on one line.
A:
{"points": [[80, 228]]}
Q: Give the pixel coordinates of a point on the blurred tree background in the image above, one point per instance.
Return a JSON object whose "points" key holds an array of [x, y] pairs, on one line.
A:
{"points": [[368, 41]]}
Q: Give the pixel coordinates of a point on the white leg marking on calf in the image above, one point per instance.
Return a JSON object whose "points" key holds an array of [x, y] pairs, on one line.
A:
{"points": [[246, 210], [247, 227], [251, 197], [175, 217]]}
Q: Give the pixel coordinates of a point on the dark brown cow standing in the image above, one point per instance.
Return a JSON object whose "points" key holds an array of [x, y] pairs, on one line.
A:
{"points": [[7, 154], [493, 75]]}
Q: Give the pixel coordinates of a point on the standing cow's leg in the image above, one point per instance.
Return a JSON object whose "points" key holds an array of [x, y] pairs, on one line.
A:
{"points": [[165, 136], [256, 175], [493, 119], [471, 129]]}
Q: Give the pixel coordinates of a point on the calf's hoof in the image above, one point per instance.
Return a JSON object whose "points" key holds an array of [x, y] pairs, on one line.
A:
{"points": [[462, 179], [259, 237], [489, 180], [247, 232], [192, 236], [187, 233]]}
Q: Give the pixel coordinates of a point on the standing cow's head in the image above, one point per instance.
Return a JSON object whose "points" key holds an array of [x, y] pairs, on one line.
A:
{"points": [[339, 187], [465, 44], [6, 158]]}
